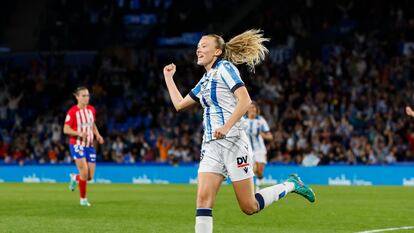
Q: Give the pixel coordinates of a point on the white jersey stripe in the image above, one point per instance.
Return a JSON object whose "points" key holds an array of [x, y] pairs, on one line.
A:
{"points": [[83, 128], [88, 129], [91, 120], [78, 122]]}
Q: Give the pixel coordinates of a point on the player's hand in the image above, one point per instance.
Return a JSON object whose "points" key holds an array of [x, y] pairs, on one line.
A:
{"points": [[169, 70], [82, 135], [220, 133], [100, 139], [409, 111]]}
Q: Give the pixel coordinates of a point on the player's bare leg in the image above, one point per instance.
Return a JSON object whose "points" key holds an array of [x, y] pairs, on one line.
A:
{"points": [[82, 180], [91, 171], [244, 190], [251, 203], [207, 188]]}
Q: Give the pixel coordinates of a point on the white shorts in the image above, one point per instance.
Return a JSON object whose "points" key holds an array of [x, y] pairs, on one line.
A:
{"points": [[229, 157], [260, 157]]}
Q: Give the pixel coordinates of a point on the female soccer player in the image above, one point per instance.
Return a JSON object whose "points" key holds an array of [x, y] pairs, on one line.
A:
{"points": [[225, 100], [257, 130], [80, 126]]}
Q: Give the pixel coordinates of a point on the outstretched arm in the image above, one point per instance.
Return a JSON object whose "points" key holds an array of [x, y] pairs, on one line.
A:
{"points": [[179, 102]]}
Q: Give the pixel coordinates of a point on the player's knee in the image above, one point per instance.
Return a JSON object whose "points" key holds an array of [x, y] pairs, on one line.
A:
{"points": [[249, 209], [204, 200], [84, 175]]}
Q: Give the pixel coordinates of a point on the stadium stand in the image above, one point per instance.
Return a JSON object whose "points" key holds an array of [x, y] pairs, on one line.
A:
{"points": [[333, 90]]}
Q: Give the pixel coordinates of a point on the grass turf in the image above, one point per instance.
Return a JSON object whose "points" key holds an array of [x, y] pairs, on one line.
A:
{"points": [[171, 208]]}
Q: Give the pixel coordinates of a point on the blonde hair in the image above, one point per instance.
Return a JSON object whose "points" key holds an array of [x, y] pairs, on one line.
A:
{"points": [[246, 48]]}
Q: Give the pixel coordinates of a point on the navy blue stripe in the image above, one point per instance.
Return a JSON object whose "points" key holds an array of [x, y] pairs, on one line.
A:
{"points": [[233, 73], [251, 142], [219, 110], [260, 200], [204, 212], [257, 135], [282, 194], [194, 97], [250, 134], [233, 89], [208, 123]]}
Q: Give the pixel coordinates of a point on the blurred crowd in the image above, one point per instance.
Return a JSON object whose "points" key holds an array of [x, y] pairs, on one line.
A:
{"points": [[340, 100]]}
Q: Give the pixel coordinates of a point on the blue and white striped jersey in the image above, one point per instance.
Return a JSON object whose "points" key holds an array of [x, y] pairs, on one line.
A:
{"points": [[254, 128], [215, 92]]}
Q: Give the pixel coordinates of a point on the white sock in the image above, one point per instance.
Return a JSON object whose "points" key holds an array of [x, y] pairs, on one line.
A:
{"points": [[289, 186], [204, 221], [268, 195]]}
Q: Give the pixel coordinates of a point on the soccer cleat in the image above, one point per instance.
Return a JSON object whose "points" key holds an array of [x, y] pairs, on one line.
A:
{"points": [[301, 188], [72, 183], [84, 202]]}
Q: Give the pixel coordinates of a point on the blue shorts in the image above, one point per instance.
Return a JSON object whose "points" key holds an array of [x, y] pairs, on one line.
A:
{"points": [[79, 152]]}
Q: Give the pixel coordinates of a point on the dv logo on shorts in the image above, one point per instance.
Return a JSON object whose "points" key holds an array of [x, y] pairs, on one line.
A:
{"points": [[242, 163]]}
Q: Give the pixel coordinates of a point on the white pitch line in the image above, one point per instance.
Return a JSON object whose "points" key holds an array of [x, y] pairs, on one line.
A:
{"points": [[387, 229]]}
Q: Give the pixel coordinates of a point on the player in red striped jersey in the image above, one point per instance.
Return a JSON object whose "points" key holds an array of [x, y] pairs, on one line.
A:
{"points": [[80, 126]]}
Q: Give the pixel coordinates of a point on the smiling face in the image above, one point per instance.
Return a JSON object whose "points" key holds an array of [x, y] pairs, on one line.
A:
{"points": [[207, 52]]}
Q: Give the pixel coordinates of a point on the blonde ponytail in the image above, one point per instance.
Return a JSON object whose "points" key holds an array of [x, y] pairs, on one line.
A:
{"points": [[247, 48]]}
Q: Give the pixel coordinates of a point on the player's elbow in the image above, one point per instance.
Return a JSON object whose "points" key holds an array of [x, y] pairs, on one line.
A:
{"points": [[65, 129], [178, 108]]}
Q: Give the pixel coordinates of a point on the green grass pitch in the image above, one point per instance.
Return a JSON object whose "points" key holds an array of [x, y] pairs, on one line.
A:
{"points": [[171, 208]]}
